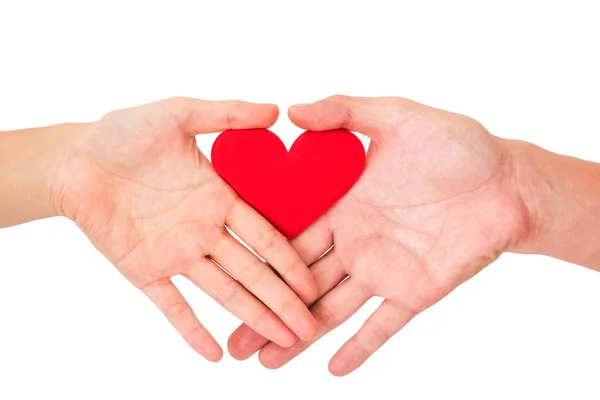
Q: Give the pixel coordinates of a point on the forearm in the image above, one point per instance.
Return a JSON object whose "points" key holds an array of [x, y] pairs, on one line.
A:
{"points": [[29, 161], [562, 196]]}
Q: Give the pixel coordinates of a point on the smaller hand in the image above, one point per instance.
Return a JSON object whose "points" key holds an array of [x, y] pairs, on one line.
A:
{"points": [[438, 201], [137, 185]]}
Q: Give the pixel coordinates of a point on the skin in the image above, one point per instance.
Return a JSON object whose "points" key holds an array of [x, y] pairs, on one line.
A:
{"points": [[440, 199], [139, 188]]}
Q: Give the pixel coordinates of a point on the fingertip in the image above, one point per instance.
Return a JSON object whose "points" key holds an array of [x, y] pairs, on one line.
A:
{"points": [[309, 330], [320, 116], [298, 107], [312, 332], [217, 355], [205, 345], [245, 115], [236, 349], [244, 342], [306, 286], [288, 342], [273, 328], [296, 111], [302, 322], [213, 353], [273, 113], [311, 291], [268, 358], [283, 336], [233, 345], [338, 368]]}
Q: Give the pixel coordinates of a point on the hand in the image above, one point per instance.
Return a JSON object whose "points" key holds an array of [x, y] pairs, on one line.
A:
{"points": [[137, 185], [436, 204]]}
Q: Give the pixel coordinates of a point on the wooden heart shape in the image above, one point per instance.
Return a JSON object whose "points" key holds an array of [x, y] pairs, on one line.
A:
{"points": [[290, 189]]}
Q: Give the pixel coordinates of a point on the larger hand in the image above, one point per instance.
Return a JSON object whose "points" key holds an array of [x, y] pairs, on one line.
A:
{"points": [[137, 185], [436, 204]]}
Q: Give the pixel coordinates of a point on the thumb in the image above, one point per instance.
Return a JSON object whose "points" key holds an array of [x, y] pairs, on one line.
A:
{"points": [[371, 116], [196, 116]]}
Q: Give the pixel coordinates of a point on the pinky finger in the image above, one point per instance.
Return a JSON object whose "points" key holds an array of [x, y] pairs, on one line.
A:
{"points": [[173, 305], [385, 322]]}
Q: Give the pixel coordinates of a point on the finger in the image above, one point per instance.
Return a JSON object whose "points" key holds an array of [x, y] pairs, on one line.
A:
{"points": [[331, 311], [366, 115], [328, 272], [197, 116], [260, 280], [385, 322], [173, 305], [233, 297], [261, 236], [245, 341], [314, 241]]}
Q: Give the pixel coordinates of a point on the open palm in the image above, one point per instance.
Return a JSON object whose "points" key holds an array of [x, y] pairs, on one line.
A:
{"points": [[137, 185], [435, 205]]}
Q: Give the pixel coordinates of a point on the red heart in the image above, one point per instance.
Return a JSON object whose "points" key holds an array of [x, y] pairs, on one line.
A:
{"points": [[293, 189]]}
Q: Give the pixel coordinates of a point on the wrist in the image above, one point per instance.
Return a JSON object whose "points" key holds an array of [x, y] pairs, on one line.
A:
{"points": [[30, 160], [526, 180], [57, 145], [59, 183], [562, 198]]}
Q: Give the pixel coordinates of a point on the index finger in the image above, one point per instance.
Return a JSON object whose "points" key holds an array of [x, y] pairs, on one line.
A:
{"points": [[197, 116], [368, 115], [263, 238]]}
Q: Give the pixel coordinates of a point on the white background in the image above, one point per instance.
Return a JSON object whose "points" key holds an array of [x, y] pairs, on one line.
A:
{"points": [[72, 328]]}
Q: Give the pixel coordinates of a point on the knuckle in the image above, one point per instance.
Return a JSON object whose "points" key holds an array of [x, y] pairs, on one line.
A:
{"points": [[227, 292], [219, 243], [179, 110], [361, 348], [342, 102], [178, 99], [267, 240], [285, 306], [324, 316], [176, 310], [412, 309], [113, 120], [288, 304], [263, 320], [293, 272], [349, 117], [337, 98], [379, 334], [218, 193], [253, 274], [175, 101], [110, 116], [194, 336], [402, 103], [472, 124], [231, 117]]}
